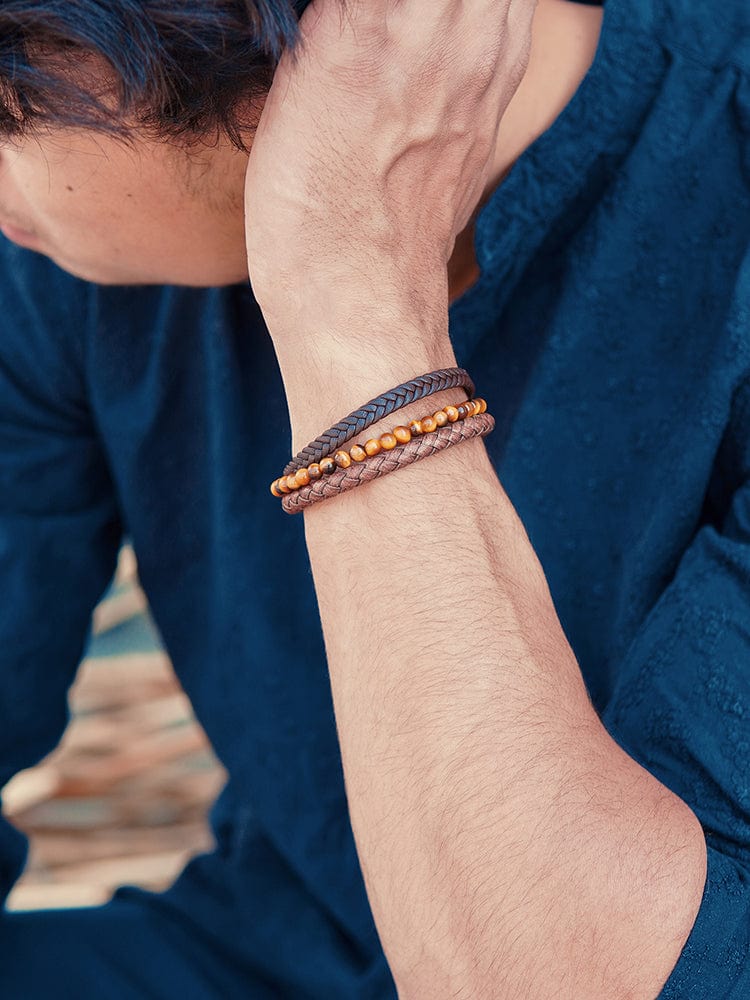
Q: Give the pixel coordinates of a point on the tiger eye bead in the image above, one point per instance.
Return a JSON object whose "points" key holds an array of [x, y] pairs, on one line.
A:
{"points": [[275, 489], [358, 453], [342, 459], [428, 425], [440, 418], [483, 405], [463, 411], [402, 434], [451, 413], [388, 441], [415, 426], [281, 485], [314, 471], [302, 477], [372, 447], [327, 465], [291, 482]]}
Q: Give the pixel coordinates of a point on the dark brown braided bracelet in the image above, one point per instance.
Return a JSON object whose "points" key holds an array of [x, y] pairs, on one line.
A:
{"points": [[351, 425], [387, 461]]}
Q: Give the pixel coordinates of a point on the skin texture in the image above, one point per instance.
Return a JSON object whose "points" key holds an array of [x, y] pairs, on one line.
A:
{"points": [[153, 213]]}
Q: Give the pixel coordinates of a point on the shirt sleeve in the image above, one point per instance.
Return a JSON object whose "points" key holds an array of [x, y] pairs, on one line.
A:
{"points": [[681, 708], [59, 536]]}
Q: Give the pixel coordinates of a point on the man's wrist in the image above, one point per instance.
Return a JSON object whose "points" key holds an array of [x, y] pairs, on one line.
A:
{"points": [[342, 352], [317, 402], [364, 301]]}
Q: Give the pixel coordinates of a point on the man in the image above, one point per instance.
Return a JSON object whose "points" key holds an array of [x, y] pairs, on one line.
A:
{"points": [[511, 842]]}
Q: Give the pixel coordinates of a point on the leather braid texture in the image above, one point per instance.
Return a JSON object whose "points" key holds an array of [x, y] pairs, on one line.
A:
{"points": [[376, 409], [387, 461]]}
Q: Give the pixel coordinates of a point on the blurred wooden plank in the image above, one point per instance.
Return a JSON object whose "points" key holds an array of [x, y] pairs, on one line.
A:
{"points": [[28, 788], [52, 850], [124, 798], [117, 609], [151, 870], [127, 569], [38, 896]]}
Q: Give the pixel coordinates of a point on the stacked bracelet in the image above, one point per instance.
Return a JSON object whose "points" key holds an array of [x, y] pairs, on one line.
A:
{"points": [[402, 434], [323, 468], [387, 461], [353, 424]]}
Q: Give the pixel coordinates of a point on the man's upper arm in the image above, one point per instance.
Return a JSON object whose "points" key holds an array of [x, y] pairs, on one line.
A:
{"points": [[681, 707], [59, 527]]}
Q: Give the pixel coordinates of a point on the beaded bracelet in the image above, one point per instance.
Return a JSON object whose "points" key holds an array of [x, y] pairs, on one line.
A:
{"points": [[376, 409], [344, 479], [402, 434]]}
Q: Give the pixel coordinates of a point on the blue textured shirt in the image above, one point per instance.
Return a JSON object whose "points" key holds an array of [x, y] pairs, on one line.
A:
{"points": [[610, 331]]}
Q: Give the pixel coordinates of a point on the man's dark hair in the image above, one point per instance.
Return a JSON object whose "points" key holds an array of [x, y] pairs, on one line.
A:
{"points": [[180, 68]]}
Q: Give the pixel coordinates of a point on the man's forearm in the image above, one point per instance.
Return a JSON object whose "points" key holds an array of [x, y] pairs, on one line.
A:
{"points": [[510, 848]]}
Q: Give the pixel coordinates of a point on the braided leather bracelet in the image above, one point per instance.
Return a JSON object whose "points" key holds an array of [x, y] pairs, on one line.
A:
{"points": [[388, 461], [376, 409], [402, 434]]}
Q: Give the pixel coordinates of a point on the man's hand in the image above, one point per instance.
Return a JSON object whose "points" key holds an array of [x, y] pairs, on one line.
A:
{"points": [[374, 146]]}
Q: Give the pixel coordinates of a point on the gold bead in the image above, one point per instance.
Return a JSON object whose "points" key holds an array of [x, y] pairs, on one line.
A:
{"points": [[388, 441], [314, 471], [402, 434], [275, 489], [428, 424], [372, 447], [327, 465], [451, 413], [358, 453], [342, 459], [302, 477], [415, 426], [440, 418]]}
